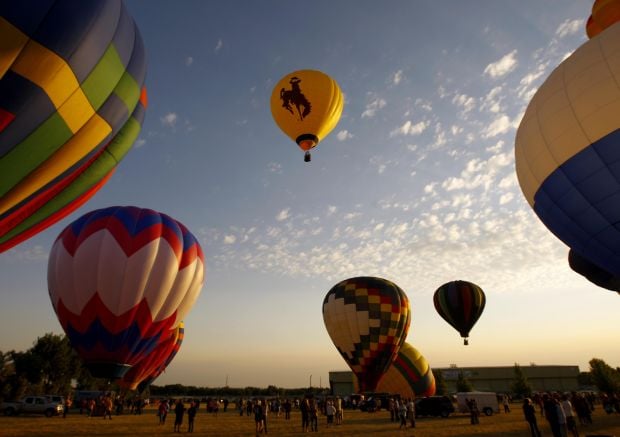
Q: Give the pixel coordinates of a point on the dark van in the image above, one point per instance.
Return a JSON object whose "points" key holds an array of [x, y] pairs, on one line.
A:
{"points": [[434, 406]]}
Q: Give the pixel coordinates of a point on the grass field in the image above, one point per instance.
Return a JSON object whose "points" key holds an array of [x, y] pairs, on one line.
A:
{"points": [[356, 423]]}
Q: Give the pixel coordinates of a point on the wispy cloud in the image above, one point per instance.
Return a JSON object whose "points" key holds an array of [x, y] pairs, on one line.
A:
{"points": [[498, 126], [169, 120], [502, 67], [344, 135], [283, 215], [409, 128], [569, 27], [373, 106], [397, 77]]}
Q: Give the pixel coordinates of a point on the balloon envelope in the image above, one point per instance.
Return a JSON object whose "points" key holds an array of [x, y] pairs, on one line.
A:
{"points": [[367, 319], [159, 370], [144, 368], [606, 13], [409, 375], [119, 279], [566, 151], [306, 105], [72, 102], [460, 303], [592, 272]]}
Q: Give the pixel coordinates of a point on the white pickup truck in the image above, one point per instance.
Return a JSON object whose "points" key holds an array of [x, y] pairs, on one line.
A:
{"points": [[33, 405]]}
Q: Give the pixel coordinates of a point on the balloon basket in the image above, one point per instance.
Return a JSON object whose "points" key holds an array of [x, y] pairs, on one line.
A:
{"points": [[307, 157], [466, 342]]}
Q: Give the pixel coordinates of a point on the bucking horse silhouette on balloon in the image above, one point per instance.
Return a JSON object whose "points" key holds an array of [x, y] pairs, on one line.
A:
{"points": [[295, 97]]}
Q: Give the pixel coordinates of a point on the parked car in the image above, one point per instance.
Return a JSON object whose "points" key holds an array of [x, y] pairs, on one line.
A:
{"points": [[33, 405], [434, 406]]}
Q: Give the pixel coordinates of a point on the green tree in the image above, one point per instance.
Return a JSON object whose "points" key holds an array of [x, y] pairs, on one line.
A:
{"points": [[58, 363], [520, 386], [463, 384], [604, 377], [440, 383]]}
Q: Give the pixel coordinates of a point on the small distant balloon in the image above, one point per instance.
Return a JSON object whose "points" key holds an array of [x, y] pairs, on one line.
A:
{"points": [[460, 303], [367, 318], [307, 105]]}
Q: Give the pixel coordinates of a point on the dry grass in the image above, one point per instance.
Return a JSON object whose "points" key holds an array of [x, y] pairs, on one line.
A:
{"points": [[356, 423]]}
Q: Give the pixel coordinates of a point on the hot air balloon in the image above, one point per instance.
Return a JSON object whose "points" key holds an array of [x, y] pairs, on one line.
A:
{"points": [[460, 303], [306, 105], [566, 151], [592, 272], [605, 13], [120, 279], [367, 318], [159, 370], [148, 365], [409, 375], [72, 102]]}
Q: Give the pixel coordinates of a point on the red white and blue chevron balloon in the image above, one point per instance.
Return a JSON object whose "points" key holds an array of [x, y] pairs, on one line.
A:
{"points": [[119, 279]]}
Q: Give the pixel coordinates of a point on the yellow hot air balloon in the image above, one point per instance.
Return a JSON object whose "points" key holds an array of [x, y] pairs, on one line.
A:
{"points": [[306, 105]]}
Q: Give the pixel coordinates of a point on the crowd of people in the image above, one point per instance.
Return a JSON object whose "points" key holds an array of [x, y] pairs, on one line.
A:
{"points": [[564, 412]]}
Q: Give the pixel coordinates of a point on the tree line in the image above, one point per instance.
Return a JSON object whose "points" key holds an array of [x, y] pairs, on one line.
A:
{"points": [[51, 366]]}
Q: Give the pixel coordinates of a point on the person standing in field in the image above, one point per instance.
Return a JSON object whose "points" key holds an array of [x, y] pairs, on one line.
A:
{"points": [[287, 409], [305, 414], [258, 416], [314, 416], [402, 413], [265, 406], [191, 414], [571, 423], [179, 410], [330, 412], [551, 414], [339, 410], [162, 411], [67, 406], [474, 413], [107, 406], [530, 417], [411, 412], [506, 402]]}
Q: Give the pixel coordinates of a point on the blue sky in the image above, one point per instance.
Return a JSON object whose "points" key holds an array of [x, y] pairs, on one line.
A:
{"points": [[416, 184]]}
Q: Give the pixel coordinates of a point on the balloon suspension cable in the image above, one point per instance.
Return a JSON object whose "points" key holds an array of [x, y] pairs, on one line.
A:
{"points": [[307, 157]]}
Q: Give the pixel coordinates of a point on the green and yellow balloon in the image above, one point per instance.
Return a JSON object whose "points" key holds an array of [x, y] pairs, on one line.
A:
{"points": [[72, 102]]}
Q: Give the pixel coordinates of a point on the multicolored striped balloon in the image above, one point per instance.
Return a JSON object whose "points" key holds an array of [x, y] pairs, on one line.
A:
{"points": [[409, 375], [566, 148], [158, 371], [72, 102], [148, 365], [367, 318], [120, 279], [460, 303]]}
